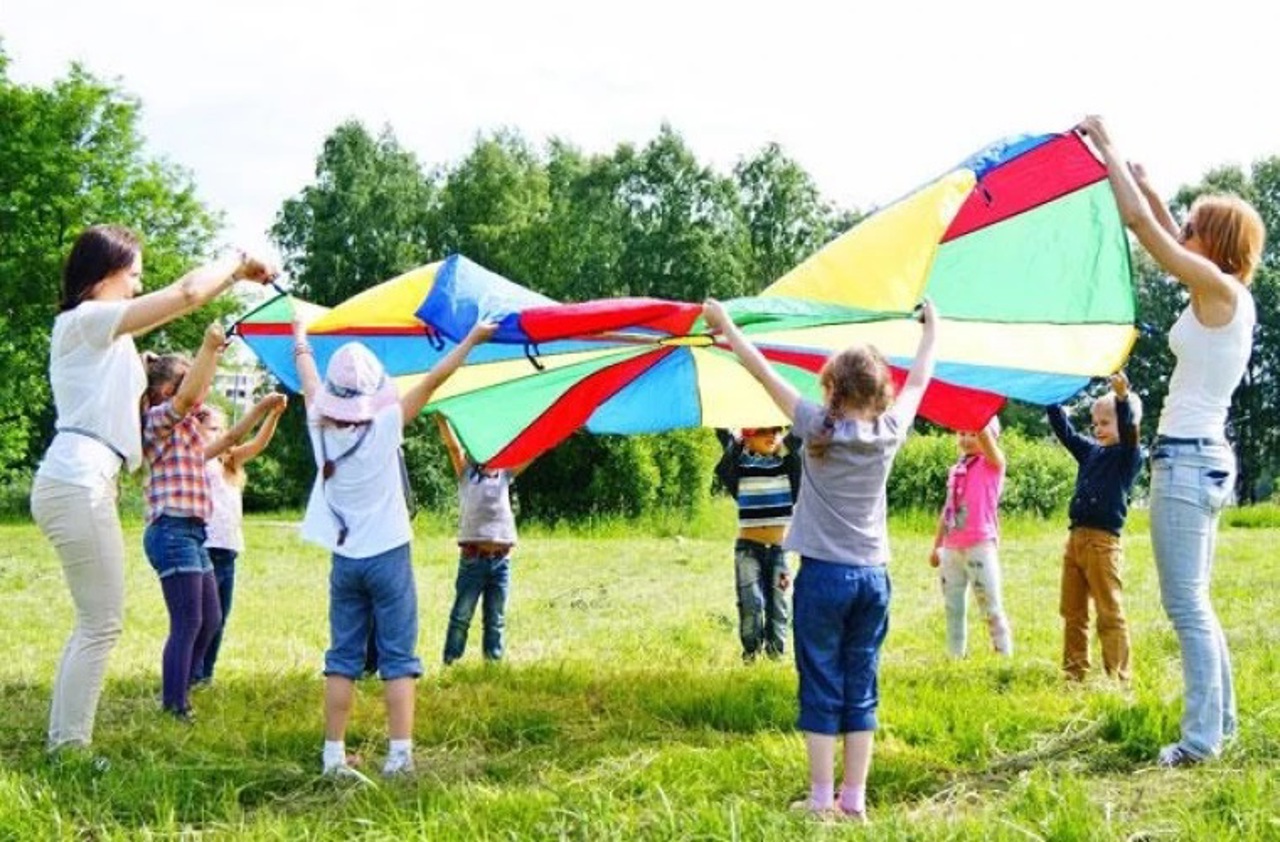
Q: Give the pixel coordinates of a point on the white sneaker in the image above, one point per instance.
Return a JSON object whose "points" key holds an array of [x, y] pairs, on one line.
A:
{"points": [[400, 763], [343, 772]]}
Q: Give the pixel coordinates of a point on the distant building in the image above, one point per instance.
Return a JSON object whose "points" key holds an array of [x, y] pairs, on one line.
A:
{"points": [[238, 384]]}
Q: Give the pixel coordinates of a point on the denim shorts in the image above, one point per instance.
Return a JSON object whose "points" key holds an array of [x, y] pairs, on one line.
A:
{"points": [[373, 593], [176, 545]]}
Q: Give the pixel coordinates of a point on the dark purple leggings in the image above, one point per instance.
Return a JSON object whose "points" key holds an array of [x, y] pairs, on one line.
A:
{"points": [[194, 618]]}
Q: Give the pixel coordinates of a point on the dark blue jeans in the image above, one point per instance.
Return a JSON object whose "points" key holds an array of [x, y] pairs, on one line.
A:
{"points": [[842, 617], [224, 572], [764, 615], [477, 578]]}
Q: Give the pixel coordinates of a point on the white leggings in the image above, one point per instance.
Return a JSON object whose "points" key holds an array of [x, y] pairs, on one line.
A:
{"points": [[84, 528], [978, 565]]}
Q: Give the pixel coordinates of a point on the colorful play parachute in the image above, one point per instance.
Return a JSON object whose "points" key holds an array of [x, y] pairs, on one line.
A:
{"points": [[1021, 248]]}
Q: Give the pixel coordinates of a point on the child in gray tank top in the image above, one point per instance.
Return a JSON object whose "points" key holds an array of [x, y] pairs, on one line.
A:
{"points": [[486, 537], [841, 597]]}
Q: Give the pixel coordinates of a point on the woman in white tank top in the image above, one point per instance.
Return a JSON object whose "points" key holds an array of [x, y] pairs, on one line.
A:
{"points": [[1214, 255]]}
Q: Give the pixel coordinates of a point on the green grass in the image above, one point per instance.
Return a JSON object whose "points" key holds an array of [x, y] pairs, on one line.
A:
{"points": [[623, 711]]}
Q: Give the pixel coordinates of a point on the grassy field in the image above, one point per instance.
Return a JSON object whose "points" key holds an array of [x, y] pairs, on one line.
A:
{"points": [[624, 712]]}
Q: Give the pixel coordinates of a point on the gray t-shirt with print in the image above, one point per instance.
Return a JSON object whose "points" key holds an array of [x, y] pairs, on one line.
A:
{"points": [[840, 513]]}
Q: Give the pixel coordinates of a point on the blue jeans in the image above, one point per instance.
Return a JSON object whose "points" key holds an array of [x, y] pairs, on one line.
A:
{"points": [[1190, 484], [842, 617], [224, 572], [176, 545], [763, 613], [478, 577], [375, 593]]}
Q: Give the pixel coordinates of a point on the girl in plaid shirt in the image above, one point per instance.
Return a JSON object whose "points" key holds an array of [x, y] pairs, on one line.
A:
{"points": [[179, 503]]}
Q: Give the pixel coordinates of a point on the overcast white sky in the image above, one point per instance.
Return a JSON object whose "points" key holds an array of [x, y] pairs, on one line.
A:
{"points": [[871, 98]]}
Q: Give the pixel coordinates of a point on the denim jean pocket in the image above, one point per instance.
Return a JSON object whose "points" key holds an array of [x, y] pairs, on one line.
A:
{"points": [[1215, 488]]}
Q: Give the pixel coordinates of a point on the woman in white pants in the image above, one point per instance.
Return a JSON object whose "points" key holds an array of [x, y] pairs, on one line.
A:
{"points": [[97, 380]]}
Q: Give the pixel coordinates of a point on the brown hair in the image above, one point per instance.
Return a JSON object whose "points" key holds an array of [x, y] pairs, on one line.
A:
{"points": [[162, 370], [99, 251], [856, 378], [1232, 233]]}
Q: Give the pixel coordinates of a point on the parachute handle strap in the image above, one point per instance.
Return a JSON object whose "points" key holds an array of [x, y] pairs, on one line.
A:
{"points": [[531, 354]]}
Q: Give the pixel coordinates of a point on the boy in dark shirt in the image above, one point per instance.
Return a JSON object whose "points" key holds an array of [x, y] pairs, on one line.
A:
{"points": [[1109, 464]]}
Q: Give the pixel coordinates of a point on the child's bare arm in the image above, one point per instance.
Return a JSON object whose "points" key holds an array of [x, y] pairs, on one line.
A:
{"points": [[305, 362], [412, 401], [908, 401], [200, 376], [780, 390], [451, 445], [990, 445], [275, 405]]}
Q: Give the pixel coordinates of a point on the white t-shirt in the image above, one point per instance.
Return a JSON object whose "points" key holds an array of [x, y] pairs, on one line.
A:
{"points": [[97, 383], [223, 530], [364, 489], [1210, 364]]}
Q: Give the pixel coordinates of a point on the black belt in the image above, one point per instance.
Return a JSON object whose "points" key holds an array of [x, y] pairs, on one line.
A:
{"points": [[1206, 442]]}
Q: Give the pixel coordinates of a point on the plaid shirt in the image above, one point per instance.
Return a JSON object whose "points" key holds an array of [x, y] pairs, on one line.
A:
{"points": [[174, 449]]}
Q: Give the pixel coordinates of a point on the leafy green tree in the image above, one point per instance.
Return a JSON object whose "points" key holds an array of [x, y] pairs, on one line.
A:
{"points": [[365, 219], [71, 156], [787, 221]]}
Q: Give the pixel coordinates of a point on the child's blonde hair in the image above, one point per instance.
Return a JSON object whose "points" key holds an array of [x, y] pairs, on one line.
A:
{"points": [[856, 378], [231, 469], [1135, 405]]}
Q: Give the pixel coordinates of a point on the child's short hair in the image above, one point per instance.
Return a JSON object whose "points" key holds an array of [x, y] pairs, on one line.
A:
{"points": [[1135, 405]]}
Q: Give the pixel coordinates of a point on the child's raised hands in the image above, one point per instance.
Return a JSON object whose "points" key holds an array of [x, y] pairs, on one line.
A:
{"points": [[1120, 384], [274, 403]]}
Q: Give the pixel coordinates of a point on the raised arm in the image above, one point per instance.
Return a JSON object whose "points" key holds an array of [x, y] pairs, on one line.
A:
{"points": [[234, 435], [451, 445], [193, 290], [780, 390], [990, 445], [412, 401], [1075, 443], [195, 385], [1158, 208], [275, 407], [908, 401], [305, 363], [1199, 274]]}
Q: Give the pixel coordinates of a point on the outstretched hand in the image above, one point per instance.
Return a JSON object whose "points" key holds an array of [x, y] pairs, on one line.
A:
{"points": [[713, 313], [255, 269], [1093, 128]]}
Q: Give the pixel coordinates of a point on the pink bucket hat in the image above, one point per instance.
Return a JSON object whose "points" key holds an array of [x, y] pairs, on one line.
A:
{"points": [[356, 386]]}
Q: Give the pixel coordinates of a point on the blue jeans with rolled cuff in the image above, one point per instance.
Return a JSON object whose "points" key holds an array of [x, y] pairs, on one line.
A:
{"points": [[841, 619]]}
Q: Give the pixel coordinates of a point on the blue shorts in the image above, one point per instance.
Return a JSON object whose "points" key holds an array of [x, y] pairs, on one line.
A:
{"points": [[176, 545], [841, 619], [373, 593]]}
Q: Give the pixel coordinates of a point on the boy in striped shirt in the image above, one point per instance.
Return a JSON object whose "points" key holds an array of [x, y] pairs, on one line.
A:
{"points": [[762, 472]]}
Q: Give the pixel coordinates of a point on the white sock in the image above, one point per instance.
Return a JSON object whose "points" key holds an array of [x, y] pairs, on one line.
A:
{"points": [[335, 753], [401, 747]]}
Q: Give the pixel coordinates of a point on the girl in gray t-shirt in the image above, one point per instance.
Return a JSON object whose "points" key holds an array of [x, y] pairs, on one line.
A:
{"points": [[841, 598]]}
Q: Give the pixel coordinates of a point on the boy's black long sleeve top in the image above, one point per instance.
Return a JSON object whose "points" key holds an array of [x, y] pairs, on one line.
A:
{"points": [[1106, 474]]}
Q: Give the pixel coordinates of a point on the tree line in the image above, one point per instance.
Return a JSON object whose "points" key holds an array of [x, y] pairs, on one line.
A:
{"points": [[641, 220]]}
